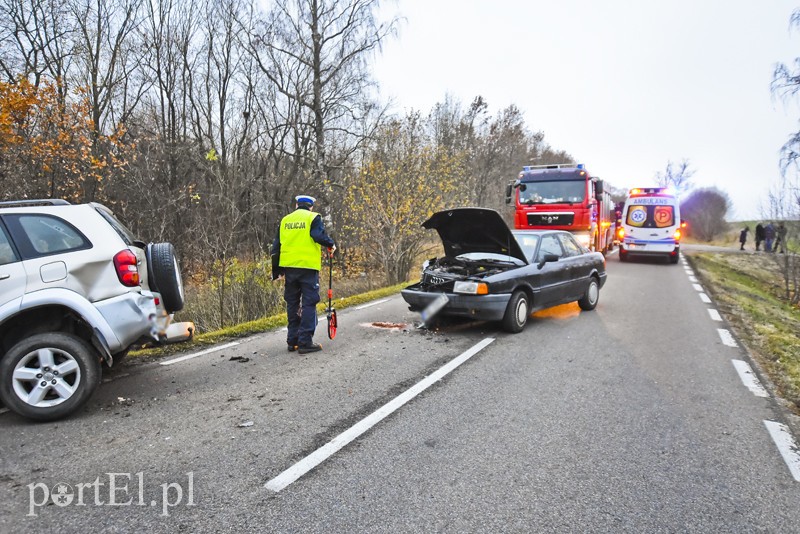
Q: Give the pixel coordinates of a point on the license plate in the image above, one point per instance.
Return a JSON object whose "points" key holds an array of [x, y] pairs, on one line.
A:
{"points": [[434, 307]]}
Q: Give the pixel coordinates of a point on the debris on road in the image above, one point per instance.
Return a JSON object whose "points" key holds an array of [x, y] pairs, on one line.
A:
{"points": [[388, 326], [240, 359], [245, 424]]}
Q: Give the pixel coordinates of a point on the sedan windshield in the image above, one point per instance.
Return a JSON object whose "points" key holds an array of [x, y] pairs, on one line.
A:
{"points": [[527, 242], [555, 192]]}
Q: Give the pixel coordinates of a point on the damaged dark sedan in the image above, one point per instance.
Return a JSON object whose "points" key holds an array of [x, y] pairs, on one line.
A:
{"points": [[489, 272]]}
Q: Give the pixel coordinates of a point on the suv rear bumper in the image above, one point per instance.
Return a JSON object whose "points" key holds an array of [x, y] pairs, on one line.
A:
{"points": [[135, 315]]}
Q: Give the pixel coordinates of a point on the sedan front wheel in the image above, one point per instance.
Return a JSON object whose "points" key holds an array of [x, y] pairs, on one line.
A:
{"points": [[516, 313]]}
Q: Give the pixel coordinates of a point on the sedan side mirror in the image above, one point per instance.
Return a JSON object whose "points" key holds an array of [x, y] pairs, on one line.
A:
{"points": [[548, 258]]}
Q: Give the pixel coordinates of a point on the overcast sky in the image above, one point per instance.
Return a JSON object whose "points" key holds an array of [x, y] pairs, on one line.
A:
{"points": [[622, 85]]}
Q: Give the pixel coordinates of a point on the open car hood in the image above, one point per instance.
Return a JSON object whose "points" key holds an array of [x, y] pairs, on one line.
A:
{"points": [[465, 230]]}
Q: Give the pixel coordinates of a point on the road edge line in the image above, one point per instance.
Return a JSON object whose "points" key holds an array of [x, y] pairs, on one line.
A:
{"points": [[786, 446]]}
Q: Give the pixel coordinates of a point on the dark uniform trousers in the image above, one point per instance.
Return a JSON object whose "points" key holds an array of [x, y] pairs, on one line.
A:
{"points": [[302, 295]]}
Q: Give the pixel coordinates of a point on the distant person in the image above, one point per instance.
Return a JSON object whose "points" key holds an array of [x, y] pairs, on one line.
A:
{"points": [[743, 237], [780, 239], [759, 235], [769, 236]]}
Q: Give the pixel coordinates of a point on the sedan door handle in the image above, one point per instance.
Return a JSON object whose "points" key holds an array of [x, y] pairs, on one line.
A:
{"points": [[4, 276]]}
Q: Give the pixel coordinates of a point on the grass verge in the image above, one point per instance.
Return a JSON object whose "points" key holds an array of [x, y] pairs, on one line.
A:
{"points": [[261, 325], [747, 289]]}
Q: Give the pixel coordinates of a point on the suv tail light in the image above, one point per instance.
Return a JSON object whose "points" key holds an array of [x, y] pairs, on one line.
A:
{"points": [[127, 271]]}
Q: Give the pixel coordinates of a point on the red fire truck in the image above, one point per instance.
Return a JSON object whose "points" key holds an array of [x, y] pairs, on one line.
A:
{"points": [[564, 197]]}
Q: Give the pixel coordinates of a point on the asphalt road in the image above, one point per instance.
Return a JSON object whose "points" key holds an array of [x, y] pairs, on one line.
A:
{"points": [[630, 418]]}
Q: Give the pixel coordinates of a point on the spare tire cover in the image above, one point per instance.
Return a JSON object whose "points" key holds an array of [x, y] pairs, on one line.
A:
{"points": [[164, 275]]}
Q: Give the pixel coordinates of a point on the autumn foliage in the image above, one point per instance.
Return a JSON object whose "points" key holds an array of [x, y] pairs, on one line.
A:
{"points": [[400, 186], [49, 147]]}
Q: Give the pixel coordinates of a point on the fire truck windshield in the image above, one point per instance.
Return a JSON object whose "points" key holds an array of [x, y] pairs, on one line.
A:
{"points": [[555, 192]]}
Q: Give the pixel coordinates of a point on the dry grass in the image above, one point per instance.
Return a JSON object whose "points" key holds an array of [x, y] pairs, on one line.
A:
{"points": [[749, 291]]}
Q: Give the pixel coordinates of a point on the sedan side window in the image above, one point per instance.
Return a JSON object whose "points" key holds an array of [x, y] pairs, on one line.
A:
{"points": [[570, 246], [550, 245], [7, 254]]}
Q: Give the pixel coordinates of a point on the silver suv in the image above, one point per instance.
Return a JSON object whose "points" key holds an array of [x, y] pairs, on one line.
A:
{"points": [[76, 290]]}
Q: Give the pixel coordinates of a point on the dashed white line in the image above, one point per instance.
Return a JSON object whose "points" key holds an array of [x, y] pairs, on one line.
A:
{"points": [[697, 287], [704, 298], [371, 304], [714, 314], [788, 448], [202, 352], [692, 278], [332, 447], [749, 378], [726, 337]]}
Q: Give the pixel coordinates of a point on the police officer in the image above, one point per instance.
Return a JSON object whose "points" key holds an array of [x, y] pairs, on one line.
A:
{"points": [[296, 256]]}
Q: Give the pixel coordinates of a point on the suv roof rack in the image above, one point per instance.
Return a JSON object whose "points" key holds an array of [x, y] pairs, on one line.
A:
{"points": [[34, 202]]}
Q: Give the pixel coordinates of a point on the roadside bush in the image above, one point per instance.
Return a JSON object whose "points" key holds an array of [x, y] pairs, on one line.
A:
{"points": [[705, 210], [248, 294]]}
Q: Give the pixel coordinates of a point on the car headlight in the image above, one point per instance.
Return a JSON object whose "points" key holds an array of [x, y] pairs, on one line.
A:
{"points": [[583, 239], [471, 288]]}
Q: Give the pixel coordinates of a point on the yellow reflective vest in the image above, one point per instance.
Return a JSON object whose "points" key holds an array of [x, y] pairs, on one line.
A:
{"points": [[297, 247]]}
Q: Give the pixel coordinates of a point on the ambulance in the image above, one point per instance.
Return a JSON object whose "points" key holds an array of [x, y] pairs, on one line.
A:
{"points": [[651, 224]]}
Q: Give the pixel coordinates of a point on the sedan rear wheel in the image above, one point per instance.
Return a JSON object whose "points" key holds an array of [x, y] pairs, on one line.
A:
{"points": [[592, 295], [516, 313], [47, 376]]}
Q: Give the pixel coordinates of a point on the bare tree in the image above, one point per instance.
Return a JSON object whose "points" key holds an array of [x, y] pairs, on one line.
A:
{"points": [[315, 52], [676, 176]]}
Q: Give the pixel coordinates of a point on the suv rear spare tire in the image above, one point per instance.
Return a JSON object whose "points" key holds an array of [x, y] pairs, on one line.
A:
{"points": [[164, 275], [48, 376]]}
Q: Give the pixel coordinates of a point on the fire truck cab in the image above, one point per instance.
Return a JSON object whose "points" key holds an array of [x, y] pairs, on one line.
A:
{"points": [[564, 197]]}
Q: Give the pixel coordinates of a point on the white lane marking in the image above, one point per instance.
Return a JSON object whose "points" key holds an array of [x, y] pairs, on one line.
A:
{"points": [[697, 287], [367, 305], [785, 442], [3, 410], [202, 352], [613, 251], [714, 314], [704, 298], [332, 447], [749, 378], [692, 278], [726, 337]]}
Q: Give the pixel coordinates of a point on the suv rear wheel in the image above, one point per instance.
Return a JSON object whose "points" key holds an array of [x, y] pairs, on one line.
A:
{"points": [[164, 275], [47, 376]]}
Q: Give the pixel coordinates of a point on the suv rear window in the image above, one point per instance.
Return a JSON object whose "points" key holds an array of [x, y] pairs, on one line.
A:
{"points": [[48, 234]]}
